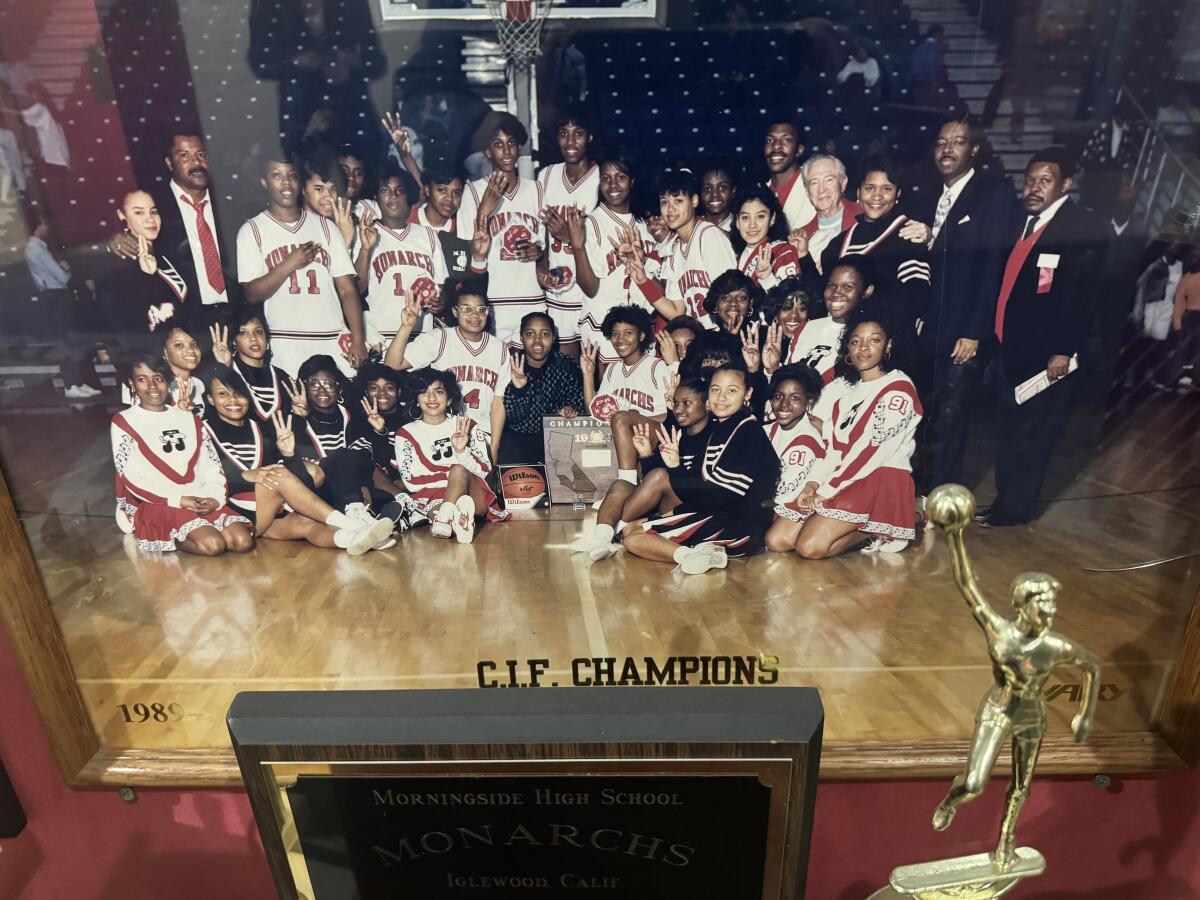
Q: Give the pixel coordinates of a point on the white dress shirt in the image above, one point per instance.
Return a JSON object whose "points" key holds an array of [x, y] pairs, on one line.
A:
{"points": [[207, 295], [954, 191], [1044, 217]]}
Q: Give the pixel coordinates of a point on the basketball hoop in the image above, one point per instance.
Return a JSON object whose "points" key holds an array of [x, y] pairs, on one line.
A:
{"points": [[519, 28]]}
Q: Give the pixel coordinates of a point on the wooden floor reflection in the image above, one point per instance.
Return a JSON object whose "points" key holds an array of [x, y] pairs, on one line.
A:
{"points": [[886, 638]]}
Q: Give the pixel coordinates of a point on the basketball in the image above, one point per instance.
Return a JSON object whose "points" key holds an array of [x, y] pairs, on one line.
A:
{"points": [[522, 483], [604, 406]]}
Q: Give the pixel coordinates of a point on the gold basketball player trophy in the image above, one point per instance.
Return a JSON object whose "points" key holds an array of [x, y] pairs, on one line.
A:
{"points": [[1024, 651]]}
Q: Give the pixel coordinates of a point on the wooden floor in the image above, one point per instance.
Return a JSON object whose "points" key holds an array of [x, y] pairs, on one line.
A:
{"points": [[886, 639]]}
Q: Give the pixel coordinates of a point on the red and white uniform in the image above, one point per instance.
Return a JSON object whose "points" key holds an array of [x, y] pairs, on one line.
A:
{"points": [[513, 289], [785, 263], [616, 288], [424, 455], [305, 314], [160, 458], [725, 223], [793, 197], [482, 370], [641, 387], [410, 259], [799, 449], [695, 264], [565, 301], [817, 345], [866, 475]]}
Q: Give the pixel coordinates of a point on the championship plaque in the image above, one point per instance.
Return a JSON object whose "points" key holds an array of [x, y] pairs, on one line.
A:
{"points": [[618, 793], [581, 461]]}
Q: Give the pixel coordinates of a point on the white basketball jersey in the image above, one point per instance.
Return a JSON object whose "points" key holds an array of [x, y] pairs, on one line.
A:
{"points": [[406, 260], [559, 194], [482, 370], [616, 288], [695, 264], [641, 387], [306, 306], [510, 280], [797, 208]]}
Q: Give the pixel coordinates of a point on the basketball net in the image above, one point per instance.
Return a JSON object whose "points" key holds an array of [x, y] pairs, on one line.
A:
{"points": [[519, 28]]}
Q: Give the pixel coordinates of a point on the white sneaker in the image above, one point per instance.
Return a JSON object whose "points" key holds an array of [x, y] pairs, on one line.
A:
{"points": [[602, 550], [76, 392], [704, 557], [883, 545], [360, 513], [368, 537], [90, 391], [464, 522], [443, 520]]}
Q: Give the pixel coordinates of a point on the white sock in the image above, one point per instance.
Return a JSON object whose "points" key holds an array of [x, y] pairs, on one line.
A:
{"points": [[339, 520], [603, 534], [629, 475], [342, 538], [621, 526], [681, 554]]}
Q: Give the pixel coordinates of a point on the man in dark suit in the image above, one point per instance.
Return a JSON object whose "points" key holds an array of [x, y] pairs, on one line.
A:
{"points": [[970, 222], [1047, 292], [190, 235]]}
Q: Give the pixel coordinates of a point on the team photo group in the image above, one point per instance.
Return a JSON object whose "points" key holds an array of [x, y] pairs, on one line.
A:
{"points": [[785, 358]]}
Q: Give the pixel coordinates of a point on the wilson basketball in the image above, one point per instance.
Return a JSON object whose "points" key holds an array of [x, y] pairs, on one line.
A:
{"points": [[522, 483]]}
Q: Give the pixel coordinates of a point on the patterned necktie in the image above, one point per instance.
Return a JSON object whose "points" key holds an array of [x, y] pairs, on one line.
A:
{"points": [[208, 246], [939, 216], [1032, 224]]}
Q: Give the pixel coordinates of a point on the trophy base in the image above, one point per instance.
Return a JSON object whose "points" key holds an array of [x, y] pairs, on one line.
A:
{"points": [[963, 878]]}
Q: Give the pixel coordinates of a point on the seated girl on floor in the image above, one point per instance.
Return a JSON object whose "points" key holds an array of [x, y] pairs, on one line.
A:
{"points": [[723, 504], [170, 489], [862, 492], [264, 473], [442, 457]]}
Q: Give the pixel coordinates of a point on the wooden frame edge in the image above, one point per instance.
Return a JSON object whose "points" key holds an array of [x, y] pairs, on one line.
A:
{"points": [[37, 639], [1129, 754], [40, 649]]}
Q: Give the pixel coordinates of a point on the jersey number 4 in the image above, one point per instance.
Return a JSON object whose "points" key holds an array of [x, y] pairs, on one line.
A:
{"points": [[472, 399], [294, 282]]}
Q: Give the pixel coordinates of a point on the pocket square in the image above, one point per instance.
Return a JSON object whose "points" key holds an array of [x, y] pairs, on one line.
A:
{"points": [[964, 220]]}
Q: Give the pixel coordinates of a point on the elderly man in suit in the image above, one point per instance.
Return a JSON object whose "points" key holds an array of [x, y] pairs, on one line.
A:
{"points": [[1046, 298], [970, 221], [190, 235]]}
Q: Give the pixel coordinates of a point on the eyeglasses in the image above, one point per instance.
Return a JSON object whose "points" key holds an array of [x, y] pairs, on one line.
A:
{"points": [[321, 384]]}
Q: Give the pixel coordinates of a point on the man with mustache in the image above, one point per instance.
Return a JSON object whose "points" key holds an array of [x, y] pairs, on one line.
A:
{"points": [[1047, 294], [190, 235], [969, 219]]}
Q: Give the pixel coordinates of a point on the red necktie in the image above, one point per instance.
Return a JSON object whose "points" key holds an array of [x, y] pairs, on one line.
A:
{"points": [[208, 246]]}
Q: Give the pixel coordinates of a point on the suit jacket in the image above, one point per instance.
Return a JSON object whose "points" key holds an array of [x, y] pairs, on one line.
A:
{"points": [[1037, 325], [173, 243], [966, 262]]}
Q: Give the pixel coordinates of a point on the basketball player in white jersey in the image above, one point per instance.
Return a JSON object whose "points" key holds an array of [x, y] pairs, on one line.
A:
{"points": [[396, 258], [699, 253], [596, 245], [782, 151], [571, 184], [515, 227], [297, 265], [478, 361]]}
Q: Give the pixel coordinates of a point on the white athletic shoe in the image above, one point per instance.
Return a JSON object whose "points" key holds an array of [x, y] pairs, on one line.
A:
{"points": [[76, 392], [368, 537], [602, 550], [443, 520], [882, 545], [464, 522], [360, 513], [90, 391], [704, 557]]}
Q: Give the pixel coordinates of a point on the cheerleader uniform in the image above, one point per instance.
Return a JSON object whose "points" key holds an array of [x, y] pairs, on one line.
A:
{"points": [[799, 449], [241, 448], [424, 456], [866, 475], [342, 446], [785, 263], [266, 387], [161, 457], [727, 498]]}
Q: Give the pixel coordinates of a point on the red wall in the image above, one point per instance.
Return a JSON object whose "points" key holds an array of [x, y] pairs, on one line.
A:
{"points": [[1139, 839]]}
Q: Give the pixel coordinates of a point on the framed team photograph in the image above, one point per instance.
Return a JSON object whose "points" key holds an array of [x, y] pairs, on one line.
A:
{"points": [[370, 346]]}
